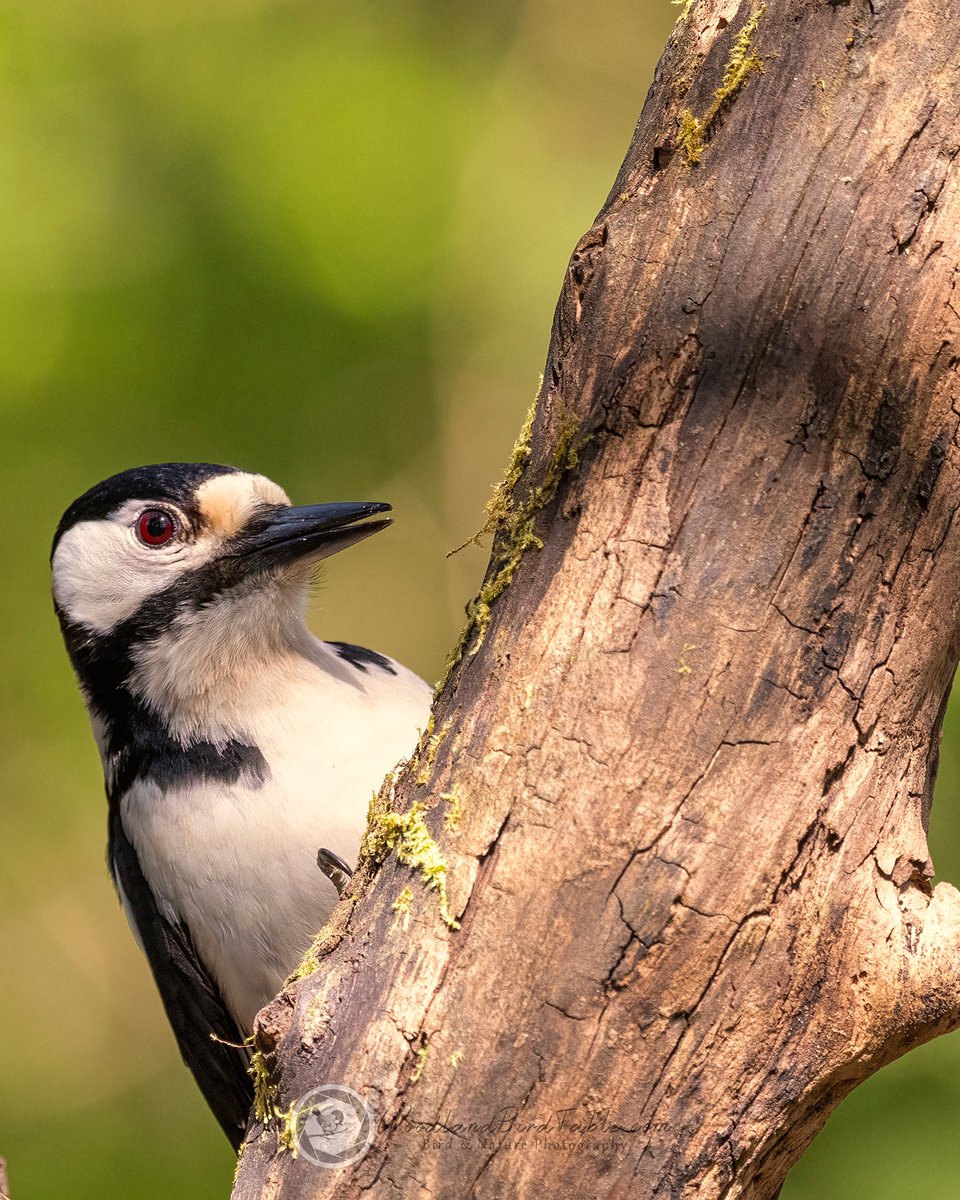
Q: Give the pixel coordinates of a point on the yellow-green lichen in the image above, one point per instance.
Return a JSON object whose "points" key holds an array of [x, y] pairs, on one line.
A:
{"points": [[236, 1165], [422, 1052], [497, 506], [264, 1089], [684, 6], [426, 754], [424, 739], [742, 63], [512, 524], [405, 835], [455, 1059], [690, 137], [307, 965], [683, 667], [454, 814], [401, 906], [287, 1129], [285, 1121], [403, 901], [265, 1093], [380, 802]]}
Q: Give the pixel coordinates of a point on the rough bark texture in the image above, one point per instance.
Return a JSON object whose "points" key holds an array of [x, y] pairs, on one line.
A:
{"points": [[695, 750]]}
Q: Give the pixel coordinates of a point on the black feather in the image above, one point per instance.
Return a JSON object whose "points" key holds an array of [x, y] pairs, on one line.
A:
{"points": [[193, 1003], [360, 657]]}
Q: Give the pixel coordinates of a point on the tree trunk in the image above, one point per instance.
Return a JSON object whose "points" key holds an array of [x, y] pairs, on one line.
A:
{"points": [[680, 777]]}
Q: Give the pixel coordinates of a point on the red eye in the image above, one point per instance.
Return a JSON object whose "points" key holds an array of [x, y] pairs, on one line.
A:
{"points": [[154, 527]]}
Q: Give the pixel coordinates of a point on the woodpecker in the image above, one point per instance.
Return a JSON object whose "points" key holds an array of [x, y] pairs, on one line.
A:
{"points": [[239, 751]]}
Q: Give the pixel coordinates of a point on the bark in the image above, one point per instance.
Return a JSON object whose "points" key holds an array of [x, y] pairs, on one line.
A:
{"points": [[693, 756]]}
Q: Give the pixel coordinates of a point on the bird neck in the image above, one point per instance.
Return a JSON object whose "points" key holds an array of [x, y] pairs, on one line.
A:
{"points": [[204, 673]]}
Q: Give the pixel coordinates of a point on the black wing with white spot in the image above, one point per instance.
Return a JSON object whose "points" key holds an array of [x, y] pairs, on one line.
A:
{"points": [[361, 658], [192, 1000]]}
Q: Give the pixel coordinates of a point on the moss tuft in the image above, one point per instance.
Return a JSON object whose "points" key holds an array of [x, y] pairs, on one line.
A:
{"points": [[307, 965], [426, 753], [264, 1089], [406, 836], [401, 906], [265, 1093], [497, 506], [742, 63], [690, 138], [422, 1052], [454, 814], [287, 1131], [513, 526]]}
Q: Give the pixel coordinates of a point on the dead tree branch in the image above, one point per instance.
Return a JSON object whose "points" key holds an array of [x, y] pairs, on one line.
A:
{"points": [[679, 779]]}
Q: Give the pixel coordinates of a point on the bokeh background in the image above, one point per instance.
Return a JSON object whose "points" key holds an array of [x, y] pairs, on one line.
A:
{"points": [[322, 240]]}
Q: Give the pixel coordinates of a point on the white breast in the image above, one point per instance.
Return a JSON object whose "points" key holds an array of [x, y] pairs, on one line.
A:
{"points": [[239, 864]]}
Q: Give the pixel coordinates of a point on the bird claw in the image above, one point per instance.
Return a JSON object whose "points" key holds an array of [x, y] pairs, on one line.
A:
{"points": [[335, 869]]}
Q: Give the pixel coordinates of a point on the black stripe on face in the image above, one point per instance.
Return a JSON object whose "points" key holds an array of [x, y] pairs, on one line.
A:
{"points": [[139, 745], [104, 661], [361, 658]]}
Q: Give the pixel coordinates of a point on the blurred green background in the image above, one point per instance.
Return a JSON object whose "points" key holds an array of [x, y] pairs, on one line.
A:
{"points": [[323, 241]]}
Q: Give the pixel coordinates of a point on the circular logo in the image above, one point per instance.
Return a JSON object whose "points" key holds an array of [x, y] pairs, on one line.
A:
{"points": [[332, 1126]]}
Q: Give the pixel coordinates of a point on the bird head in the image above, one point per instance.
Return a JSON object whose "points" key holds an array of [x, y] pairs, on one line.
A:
{"points": [[166, 577]]}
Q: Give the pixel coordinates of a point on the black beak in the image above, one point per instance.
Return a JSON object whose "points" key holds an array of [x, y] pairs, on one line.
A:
{"points": [[307, 533]]}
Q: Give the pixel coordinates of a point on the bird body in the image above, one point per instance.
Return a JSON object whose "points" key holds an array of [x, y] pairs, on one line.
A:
{"points": [[234, 854], [235, 744]]}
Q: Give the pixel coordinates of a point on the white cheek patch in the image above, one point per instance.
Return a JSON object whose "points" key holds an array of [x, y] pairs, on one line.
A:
{"points": [[227, 502], [102, 573], [97, 580]]}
